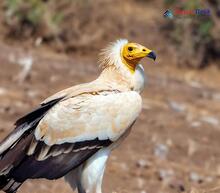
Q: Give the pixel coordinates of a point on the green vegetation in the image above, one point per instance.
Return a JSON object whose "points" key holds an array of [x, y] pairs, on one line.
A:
{"points": [[31, 10], [70, 25], [194, 36], [32, 14]]}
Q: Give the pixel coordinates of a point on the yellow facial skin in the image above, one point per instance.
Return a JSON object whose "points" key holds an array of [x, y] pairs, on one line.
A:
{"points": [[132, 53]]}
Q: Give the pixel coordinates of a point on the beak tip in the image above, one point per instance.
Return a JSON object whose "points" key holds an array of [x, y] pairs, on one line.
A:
{"points": [[152, 55]]}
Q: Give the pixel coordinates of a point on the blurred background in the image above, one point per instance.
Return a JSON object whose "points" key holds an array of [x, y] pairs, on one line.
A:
{"points": [[48, 45]]}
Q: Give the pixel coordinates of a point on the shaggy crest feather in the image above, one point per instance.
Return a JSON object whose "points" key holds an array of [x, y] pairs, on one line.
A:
{"points": [[111, 55]]}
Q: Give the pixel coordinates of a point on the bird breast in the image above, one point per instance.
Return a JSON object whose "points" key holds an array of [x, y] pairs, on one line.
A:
{"points": [[139, 79]]}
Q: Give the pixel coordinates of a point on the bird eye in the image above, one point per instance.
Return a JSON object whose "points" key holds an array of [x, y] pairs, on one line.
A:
{"points": [[130, 48]]}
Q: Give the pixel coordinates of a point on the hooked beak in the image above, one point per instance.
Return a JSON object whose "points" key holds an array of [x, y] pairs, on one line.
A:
{"points": [[152, 55]]}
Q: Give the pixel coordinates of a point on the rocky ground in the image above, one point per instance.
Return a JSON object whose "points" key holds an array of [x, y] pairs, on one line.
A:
{"points": [[173, 147]]}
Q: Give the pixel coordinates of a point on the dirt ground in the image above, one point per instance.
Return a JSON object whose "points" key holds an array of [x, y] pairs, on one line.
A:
{"points": [[174, 145]]}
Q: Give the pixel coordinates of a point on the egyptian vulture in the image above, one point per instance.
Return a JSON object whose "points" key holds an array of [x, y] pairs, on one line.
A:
{"points": [[73, 132]]}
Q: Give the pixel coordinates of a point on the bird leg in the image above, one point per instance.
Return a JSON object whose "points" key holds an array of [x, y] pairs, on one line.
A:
{"points": [[93, 171]]}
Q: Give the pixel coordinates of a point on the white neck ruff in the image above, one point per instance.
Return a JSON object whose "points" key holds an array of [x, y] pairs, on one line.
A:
{"points": [[111, 57]]}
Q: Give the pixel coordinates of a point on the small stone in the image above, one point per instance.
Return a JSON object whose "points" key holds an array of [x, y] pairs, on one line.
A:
{"points": [[124, 166], [32, 93], [143, 163], [169, 142], [196, 124], [3, 91], [192, 147], [177, 185], [165, 174], [38, 41], [54, 78], [195, 84], [194, 177], [210, 120], [216, 96], [177, 106], [140, 182], [26, 64], [161, 151], [209, 179]]}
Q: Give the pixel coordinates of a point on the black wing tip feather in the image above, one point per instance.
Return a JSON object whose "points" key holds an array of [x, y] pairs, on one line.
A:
{"points": [[28, 167], [9, 185], [40, 111], [55, 167]]}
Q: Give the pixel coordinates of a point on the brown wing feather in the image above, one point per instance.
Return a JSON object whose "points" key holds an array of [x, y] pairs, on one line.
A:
{"points": [[16, 166], [58, 162]]}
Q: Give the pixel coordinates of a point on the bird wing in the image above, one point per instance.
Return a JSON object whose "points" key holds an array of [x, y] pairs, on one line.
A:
{"points": [[102, 115], [69, 133], [31, 120], [26, 123]]}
